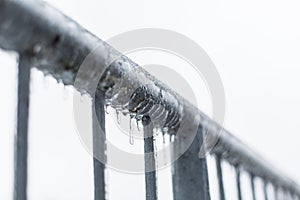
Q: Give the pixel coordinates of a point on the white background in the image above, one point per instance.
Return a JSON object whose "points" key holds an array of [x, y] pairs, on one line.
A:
{"points": [[255, 46]]}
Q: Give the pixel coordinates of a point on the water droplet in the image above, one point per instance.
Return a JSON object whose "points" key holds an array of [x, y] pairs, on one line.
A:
{"points": [[37, 48]]}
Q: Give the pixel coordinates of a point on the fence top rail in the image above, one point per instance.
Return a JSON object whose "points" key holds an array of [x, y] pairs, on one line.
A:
{"points": [[58, 46]]}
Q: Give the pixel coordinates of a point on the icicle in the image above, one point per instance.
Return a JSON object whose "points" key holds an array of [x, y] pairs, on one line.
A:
{"points": [[172, 138], [164, 144], [155, 155], [138, 126], [156, 131], [106, 108], [131, 140], [118, 117]]}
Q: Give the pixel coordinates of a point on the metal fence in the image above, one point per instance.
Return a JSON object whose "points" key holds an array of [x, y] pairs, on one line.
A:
{"points": [[53, 43]]}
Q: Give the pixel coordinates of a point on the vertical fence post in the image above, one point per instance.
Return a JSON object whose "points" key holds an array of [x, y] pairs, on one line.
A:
{"points": [[150, 174], [220, 177], [266, 190], [21, 136], [99, 146], [276, 193], [253, 186], [238, 182], [190, 175]]}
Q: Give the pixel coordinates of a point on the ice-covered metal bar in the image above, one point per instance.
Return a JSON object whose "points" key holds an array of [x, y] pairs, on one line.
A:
{"points": [[59, 45]]}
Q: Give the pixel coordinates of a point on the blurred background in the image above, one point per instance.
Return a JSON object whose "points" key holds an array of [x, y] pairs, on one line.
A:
{"points": [[255, 46]]}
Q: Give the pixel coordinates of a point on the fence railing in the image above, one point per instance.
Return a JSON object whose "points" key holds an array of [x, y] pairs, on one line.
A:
{"points": [[48, 40]]}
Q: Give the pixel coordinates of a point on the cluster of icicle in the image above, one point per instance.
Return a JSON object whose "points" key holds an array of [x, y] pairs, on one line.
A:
{"points": [[130, 90]]}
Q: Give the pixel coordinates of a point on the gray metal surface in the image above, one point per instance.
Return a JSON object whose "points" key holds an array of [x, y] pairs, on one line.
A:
{"points": [[99, 146], [59, 45], [253, 189], [149, 150], [21, 137], [276, 193], [220, 177], [265, 191], [238, 182], [190, 175]]}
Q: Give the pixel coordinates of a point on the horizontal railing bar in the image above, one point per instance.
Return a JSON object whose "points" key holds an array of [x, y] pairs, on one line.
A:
{"points": [[59, 45]]}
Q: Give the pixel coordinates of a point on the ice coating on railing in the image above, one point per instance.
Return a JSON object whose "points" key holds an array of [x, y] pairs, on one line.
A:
{"points": [[131, 90]]}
